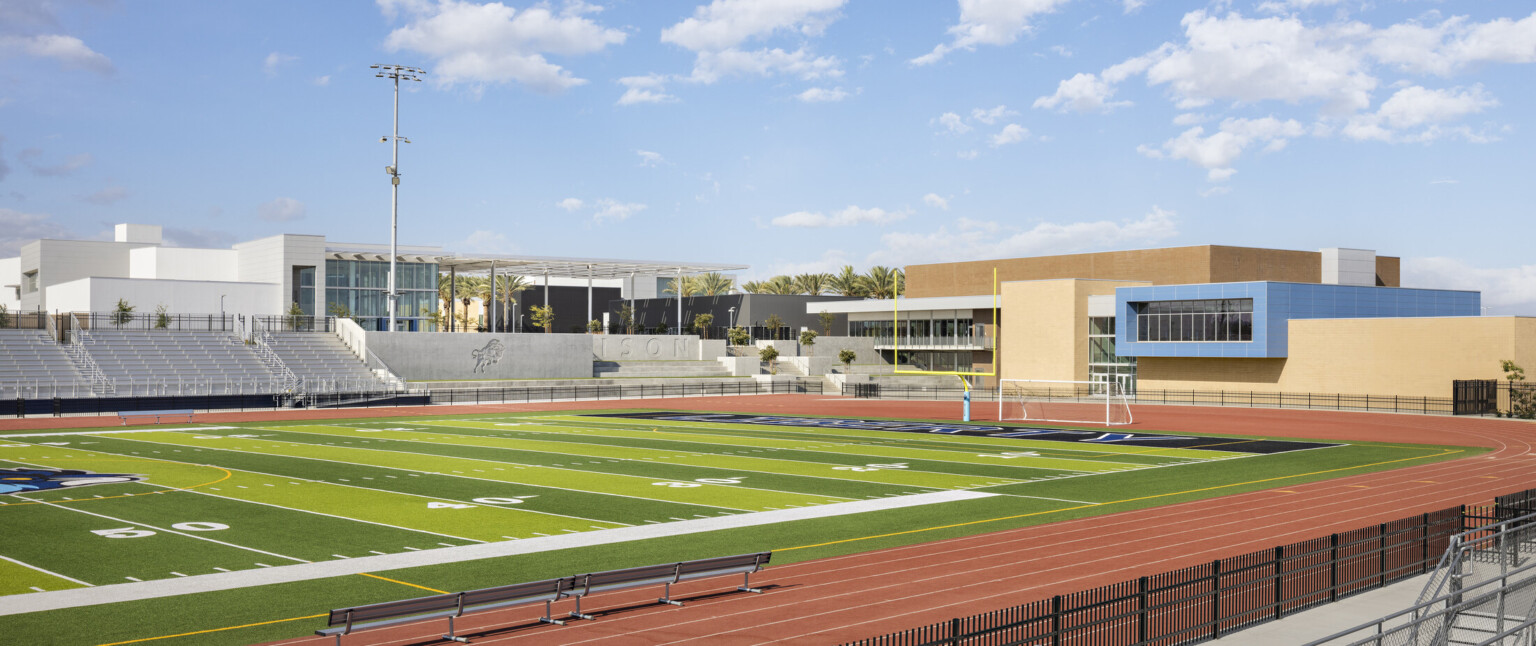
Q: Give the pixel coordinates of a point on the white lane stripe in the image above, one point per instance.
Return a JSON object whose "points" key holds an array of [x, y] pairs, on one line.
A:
{"points": [[47, 572], [118, 592]]}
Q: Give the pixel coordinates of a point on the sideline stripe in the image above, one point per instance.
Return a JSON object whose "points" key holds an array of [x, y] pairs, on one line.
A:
{"points": [[48, 572], [215, 630], [1112, 502], [375, 576], [4, 435]]}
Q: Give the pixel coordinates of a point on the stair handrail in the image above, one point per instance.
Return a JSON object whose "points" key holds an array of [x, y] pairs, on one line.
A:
{"points": [[389, 375], [75, 348], [289, 382]]}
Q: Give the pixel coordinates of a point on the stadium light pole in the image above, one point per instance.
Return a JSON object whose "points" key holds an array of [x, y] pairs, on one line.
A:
{"points": [[395, 73]]}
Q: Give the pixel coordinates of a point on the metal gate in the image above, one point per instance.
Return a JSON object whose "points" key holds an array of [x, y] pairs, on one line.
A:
{"points": [[1475, 396]]}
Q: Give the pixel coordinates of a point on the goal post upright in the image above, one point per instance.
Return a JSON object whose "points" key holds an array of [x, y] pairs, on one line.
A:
{"points": [[960, 374]]}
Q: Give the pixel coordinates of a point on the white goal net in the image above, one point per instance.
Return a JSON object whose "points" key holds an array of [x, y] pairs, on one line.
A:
{"points": [[1072, 402]]}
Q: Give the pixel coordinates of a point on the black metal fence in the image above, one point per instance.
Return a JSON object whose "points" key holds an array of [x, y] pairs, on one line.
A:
{"points": [[155, 321], [18, 320], [112, 405], [1206, 601], [295, 323], [1240, 398]]}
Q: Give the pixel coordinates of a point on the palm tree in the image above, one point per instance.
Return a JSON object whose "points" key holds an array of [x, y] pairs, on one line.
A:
{"points": [[781, 285], [813, 284], [848, 283], [752, 287], [445, 294], [715, 284], [507, 288], [690, 286], [884, 282], [468, 286]]}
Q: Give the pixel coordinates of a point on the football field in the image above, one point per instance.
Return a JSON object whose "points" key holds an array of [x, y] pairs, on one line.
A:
{"points": [[431, 501]]}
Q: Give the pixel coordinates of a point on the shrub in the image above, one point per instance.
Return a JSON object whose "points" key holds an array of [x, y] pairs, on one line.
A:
{"points": [[846, 356], [770, 354], [808, 339]]}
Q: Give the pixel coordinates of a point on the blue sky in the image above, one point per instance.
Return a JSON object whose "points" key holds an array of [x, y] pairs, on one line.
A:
{"points": [[791, 135]]}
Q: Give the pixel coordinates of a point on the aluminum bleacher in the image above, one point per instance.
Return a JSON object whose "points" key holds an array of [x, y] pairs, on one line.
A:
{"points": [[178, 362], [32, 366], [323, 363]]}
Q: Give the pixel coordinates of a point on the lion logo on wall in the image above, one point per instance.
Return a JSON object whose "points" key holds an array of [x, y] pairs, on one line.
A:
{"points": [[487, 356]]}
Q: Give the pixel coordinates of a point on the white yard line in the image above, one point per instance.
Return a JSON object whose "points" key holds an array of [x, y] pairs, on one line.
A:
{"points": [[162, 529], [6, 436], [47, 572], [119, 592]]}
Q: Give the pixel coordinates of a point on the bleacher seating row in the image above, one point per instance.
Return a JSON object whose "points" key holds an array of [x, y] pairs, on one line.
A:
{"points": [[33, 366]]}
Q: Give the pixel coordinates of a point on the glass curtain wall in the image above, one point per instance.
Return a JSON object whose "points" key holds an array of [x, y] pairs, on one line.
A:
{"points": [[1103, 364], [359, 285]]}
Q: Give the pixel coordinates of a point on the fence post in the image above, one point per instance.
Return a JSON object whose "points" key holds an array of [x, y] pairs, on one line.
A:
{"points": [[1141, 610], [1279, 573], [1056, 620], [1381, 556], [1215, 598], [1333, 568], [954, 631]]}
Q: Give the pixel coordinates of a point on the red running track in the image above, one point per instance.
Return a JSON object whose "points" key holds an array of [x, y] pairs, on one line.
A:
{"points": [[860, 595]]}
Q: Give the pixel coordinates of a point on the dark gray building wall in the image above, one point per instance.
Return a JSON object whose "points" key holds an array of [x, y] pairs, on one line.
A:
{"points": [[570, 305]]}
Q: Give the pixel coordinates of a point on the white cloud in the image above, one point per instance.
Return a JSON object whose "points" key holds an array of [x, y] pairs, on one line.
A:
{"points": [[30, 157], [493, 43], [108, 195], [283, 209], [830, 261], [570, 204], [847, 217], [992, 115], [615, 210], [953, 123], [822, 95], [1132, 6], [1010, 134], [1190, 118], [275, 61], [17, 229], [1416, 107], [483, 241], [1217, 152], [968, 154], [974, 240], [989, 22], [322, 81], [1280, 6], [1081, 93], [1454, 44], [68, 51], [933, 199], [717, 31], [1508, 289], [651, 88], [650, 159]]}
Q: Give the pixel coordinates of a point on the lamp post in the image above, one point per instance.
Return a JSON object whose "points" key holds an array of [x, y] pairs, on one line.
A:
{"points": [[395, 73], [732, 312]]}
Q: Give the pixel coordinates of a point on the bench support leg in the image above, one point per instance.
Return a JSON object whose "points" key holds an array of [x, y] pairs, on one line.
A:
{"points": [[550, 620], [666, 597], [577, 613], [746, 584], [451, 637], [338, 639]]}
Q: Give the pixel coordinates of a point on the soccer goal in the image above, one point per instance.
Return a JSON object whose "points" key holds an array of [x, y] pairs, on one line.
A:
{"points": [[1073, 402]]}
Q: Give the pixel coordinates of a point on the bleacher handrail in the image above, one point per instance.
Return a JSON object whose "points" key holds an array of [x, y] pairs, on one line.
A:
{"points": [[75, 348]]}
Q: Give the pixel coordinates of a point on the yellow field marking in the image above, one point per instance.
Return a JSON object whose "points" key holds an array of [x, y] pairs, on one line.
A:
{"points": [[375, 576], [1426, 482], [1490, 477], [1284, 491], [1357, 486], [1112, 502], [214, 630], [227, 475]]}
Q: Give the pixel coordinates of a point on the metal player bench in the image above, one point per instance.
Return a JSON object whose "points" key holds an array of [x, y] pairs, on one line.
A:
{"points": [[125, 415], [345, 621]]}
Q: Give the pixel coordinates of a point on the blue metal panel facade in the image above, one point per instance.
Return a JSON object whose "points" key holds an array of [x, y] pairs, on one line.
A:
{"points": [[1274, 304]]}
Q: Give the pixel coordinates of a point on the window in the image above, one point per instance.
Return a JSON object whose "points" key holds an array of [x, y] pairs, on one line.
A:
{"points": [[1224, 320], [29, 282]]}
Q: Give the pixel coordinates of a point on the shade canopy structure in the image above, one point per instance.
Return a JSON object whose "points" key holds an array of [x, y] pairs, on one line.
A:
{"points": [[546, 266]]}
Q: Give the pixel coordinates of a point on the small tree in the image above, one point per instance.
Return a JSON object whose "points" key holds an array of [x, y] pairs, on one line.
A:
{"points": [[5, 317], [594, 326], [739, 335], [1522, 397], [701, 324], [827, 320], [774, 323], [123, 314], [295, 316], [544, 317], [771, 355], [162, 318], [627, 318], [846, 356], [808, 339]]}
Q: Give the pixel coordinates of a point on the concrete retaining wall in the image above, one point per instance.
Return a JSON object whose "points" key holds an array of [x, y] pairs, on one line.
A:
{"points": [[423, 356], [620, 347]]}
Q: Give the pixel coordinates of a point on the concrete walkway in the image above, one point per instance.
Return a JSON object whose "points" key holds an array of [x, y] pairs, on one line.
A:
{"points": [[1328, 619]]}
